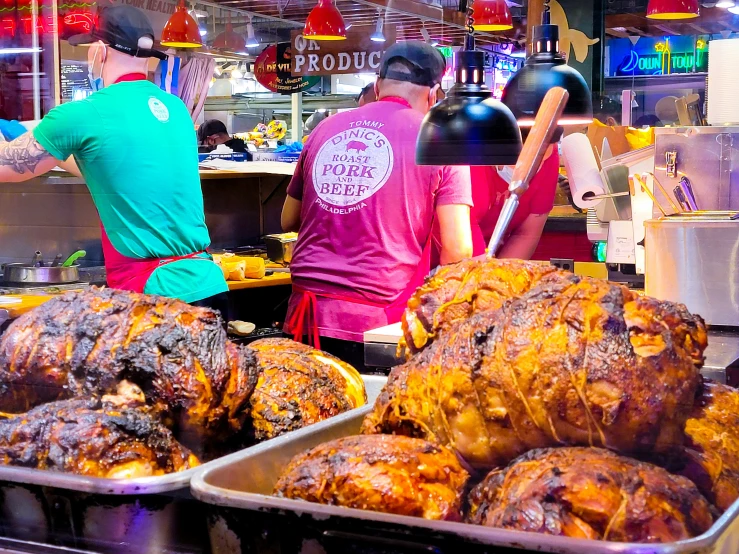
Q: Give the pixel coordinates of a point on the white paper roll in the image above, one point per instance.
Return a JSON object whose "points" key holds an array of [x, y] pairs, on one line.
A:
{"points": [[723, 82], [582, 170]]}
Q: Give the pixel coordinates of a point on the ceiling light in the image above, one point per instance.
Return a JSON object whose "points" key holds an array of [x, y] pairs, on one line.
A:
{"points": [[734, 10], [726, 4], [545, 69], [230, 40], [673, 9], [181, 30], [251, 39], [378, 36], [236, 73], [469, 127], [491, 15], [203, 31], [427, 38], [325, 22]]}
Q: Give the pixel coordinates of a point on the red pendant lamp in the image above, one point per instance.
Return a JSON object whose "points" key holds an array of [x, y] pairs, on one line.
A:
{"points": [[229, 39], [325, 22], [491, 15], [673, 9], [181, 31]]}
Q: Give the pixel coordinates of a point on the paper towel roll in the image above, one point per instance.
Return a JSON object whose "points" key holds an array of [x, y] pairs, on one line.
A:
{"points": [[723, 82], [582, 170]]}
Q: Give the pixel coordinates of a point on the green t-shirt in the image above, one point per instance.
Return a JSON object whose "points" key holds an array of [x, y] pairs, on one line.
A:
{"points": [[136, 148]]}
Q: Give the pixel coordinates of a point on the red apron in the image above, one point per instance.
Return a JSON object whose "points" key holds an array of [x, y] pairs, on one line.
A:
{"points": [[126, 273], [303, 320]]}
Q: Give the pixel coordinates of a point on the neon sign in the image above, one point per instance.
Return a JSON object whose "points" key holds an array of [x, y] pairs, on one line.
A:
{"points": [[666, 56], [75, 22]]}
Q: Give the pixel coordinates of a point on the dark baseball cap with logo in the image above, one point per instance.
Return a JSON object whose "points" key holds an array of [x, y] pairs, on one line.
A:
{"points": [[121, 28], [425, 64]]}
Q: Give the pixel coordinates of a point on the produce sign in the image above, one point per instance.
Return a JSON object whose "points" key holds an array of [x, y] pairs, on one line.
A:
{"points": [[272, 70], [356, 54]]}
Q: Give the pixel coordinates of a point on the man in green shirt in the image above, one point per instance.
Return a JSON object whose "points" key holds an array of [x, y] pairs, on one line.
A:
{"points": [[136, 148]]}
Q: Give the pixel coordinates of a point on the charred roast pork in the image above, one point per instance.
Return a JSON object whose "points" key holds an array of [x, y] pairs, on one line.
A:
{"points": [[457, 291], [97, 438], [575, 361], [87, 343], [382, 473], [590, 493], [298, 386]]}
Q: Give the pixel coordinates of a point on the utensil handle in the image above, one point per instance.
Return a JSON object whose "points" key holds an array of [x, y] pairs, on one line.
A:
{"points": [[545, 124]]}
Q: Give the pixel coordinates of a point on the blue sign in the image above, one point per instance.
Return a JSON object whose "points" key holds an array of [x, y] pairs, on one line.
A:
{"points": [[658, 55]]}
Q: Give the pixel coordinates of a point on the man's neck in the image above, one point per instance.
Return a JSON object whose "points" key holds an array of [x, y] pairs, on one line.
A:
{"points": [[114, 73], [415, 104]]}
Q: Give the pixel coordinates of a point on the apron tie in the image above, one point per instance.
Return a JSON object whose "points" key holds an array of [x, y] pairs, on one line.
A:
{"points": [[304, 319]]}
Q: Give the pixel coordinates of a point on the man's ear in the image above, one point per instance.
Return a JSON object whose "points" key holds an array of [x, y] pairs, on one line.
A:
{"points": [[434, 95], [377, 89]]}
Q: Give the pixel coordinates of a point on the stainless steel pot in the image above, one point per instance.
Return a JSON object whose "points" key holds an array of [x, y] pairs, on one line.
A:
{"points": [[23, 273], [694, 260]]}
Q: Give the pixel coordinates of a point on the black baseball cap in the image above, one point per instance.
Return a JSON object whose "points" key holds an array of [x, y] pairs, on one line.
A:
{"points": [[425, 63], [210, 128], [121, 28]]}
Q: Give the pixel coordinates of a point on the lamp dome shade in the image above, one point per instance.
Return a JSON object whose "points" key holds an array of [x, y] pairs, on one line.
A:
{"points": [[673, 9], [325, 22], [491, 15], [469, 127], [230, 40], [181, 31]]}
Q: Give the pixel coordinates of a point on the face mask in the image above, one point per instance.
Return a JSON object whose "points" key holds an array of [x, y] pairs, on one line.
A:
{"points": [[96, 83]]}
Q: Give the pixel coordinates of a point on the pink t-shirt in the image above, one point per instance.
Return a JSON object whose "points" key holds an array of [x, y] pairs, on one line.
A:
{"points": [[367, 213]]}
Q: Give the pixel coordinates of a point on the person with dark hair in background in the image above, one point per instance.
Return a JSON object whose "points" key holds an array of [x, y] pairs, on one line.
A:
{"points": [[213, 132], [366, 95]]}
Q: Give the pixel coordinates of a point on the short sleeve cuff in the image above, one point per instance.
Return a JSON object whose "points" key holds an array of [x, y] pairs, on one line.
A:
{"points": [[48, 146]]}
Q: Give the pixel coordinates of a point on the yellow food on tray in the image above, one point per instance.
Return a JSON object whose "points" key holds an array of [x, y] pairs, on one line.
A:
{"points": [[240, 268]]}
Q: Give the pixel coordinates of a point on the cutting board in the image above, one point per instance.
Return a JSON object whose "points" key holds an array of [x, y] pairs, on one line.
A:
{"points": [[26, 303]]}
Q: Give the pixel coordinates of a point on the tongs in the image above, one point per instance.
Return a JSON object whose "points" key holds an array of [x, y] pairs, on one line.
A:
{"points": [[529, 161]]}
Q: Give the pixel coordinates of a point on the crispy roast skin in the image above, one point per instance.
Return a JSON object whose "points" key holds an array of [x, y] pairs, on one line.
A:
{"points": [[298, 386], [382, 473], [590, 493], [458, 290], [86, 343], [94, 438], [710, 457], [575, 361]]}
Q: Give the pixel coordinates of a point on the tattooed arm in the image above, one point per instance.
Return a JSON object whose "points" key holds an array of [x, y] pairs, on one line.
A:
{"points": [[23, 159]]}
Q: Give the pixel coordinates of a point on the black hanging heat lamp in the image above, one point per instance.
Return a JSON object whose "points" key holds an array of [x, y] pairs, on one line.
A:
{"points": [[545, 69], [469, 127]]}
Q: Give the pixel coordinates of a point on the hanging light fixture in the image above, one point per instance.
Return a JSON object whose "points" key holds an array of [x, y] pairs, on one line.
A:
{"points": [[544, 69], [726, 4], [492, 15], [325, 22], [378, 35], [469, 127], [251, 39], [181, 31], [229, 39], [673, 9]]}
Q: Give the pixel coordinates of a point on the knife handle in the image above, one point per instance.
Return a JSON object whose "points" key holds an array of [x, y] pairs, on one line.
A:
{"points": [[545, 124]]}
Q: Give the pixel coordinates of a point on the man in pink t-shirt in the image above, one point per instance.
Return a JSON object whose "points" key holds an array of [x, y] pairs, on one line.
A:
{"points": [[364, 209]]}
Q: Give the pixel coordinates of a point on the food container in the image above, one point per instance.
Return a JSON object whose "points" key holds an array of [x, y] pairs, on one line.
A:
{"points": [[145, 515], [246, 518], [692, 259], [26, 274], [280, 247]]}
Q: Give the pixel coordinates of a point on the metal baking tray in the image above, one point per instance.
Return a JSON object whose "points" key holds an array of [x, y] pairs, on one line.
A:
{"points": [[147, 515], [246, 518]]}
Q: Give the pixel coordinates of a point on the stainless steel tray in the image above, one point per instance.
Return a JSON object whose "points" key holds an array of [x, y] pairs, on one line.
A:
{"points": [[245, 481], [151, 514]]}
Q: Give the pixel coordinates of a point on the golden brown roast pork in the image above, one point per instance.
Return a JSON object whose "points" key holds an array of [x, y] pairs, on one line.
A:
{"points": [[710, 457], [298, 386], [94, 438], [590, 493], [575, 361], [457, 291], [382, 473], [86, 343]]}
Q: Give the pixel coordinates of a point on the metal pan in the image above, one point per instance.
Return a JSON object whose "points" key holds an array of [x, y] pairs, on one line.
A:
{"points": [[147, 515], [240, 489], [23, 273]]}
